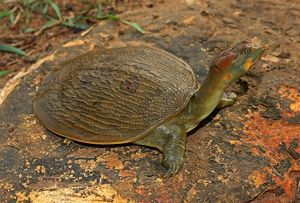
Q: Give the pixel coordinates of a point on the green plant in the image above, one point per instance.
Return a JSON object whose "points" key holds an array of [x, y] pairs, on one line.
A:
{"points": [[12, 49], [51, 12]]}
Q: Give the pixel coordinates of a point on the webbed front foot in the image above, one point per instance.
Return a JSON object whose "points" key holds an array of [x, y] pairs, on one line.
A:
{"points": [[173, 152], [171, 141], [228, 99], [173, 163]]}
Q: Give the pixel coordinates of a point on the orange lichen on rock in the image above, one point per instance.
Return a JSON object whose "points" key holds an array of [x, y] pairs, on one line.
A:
{"points": [[271, 135], [235, 142], [111, 161], [76, 193], [288, 183], [127, 173], [256, 151], [258, 178], [293, 94], [276, 138]]}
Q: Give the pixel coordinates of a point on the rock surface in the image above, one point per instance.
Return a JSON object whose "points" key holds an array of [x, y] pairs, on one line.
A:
{"points": [[245, 153]]}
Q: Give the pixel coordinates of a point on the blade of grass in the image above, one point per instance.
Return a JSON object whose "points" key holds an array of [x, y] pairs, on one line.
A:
{"points": [[50, 23], [111, 17], [45, 9], [12, 49], [28, 30], [81, 26], [99, 11], [117, 18], [71, 23], [27, 14], [56, 9], [12, 18], [134, 25], [4, 14], [4, 72], [35, 5], [17, 18]]}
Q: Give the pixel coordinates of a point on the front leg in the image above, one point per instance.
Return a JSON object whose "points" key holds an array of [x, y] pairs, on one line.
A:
{"points": [[173, 151], [228, 99], [171, 141]]}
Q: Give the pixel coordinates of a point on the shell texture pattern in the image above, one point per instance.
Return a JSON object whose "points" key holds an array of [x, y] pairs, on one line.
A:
{"points": [[114, 96]]}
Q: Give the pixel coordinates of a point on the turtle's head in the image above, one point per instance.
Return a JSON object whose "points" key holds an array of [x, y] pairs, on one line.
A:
{"points": [[232, 63]]}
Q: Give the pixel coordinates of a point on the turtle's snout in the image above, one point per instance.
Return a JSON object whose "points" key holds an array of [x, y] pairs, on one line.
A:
{"points": [[258, 52], [253, 58], [265, 47]]}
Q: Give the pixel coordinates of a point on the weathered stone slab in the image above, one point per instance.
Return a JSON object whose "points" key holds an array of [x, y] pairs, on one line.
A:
{"points": [[247, 152]]}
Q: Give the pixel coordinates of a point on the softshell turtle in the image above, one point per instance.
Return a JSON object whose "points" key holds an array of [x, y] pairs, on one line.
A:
{"points": [[139, 95]]}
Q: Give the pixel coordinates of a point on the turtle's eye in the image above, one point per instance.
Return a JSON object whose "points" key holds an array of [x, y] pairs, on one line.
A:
{"points": [[247, 51]]}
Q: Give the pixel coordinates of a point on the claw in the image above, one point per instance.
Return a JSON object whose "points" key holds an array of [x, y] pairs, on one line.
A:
{"points": [[173, 152], [230, 95], [172, 166], [67, 141]]}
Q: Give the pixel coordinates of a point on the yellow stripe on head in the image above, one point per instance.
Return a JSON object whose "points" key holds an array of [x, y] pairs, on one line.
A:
{"points": [[248, 64]]}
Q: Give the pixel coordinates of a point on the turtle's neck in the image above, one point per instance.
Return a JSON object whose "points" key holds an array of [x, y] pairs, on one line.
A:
{"points": [[207, 97]]}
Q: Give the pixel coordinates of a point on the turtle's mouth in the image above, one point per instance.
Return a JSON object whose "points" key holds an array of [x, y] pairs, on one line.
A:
{"points": [[258, 53], [255, 58], [219, 69]]}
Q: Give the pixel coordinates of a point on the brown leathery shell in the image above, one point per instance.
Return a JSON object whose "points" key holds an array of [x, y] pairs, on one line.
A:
{"points": [[114, 96]]}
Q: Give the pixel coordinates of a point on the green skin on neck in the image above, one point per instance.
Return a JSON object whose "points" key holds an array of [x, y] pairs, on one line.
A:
{"points": [[226, 69]]}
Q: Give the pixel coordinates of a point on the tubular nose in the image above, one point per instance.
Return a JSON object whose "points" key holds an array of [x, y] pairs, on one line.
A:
{"points": [[265, 47]]}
